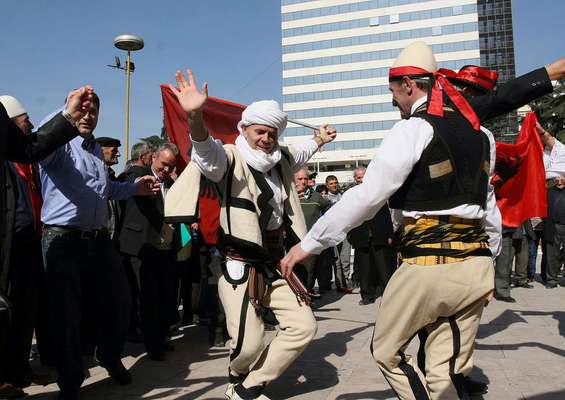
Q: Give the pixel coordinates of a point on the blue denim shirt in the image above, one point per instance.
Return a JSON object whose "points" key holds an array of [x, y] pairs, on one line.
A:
{"points": [[76, 187]]}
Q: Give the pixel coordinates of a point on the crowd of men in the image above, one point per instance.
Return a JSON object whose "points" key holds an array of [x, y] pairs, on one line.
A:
{"points": [[89, 259]]}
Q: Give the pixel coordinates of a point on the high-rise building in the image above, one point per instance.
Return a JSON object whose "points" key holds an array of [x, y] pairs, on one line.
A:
{"points": [[336, 55], [497, 52]]}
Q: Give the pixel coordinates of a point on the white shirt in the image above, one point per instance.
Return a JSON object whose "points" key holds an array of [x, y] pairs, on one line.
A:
{"points": [[210, 157], [554, 160], [400, 150]]}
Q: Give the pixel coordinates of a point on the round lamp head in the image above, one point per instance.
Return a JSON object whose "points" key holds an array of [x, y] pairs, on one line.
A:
{"points": [[128, 42]]}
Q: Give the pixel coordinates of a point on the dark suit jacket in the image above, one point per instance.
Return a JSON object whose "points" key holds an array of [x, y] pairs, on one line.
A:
{"points": [[376, 231], [14, 146], [511, 95], [143, 217]]}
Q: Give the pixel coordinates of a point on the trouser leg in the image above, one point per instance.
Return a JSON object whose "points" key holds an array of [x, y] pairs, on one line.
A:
{"points": [[367, 274], [297, 329], [521, 256], [554, 254], [325, 269], [345, 258], [503, 267], [411, 302], [245, 328], [146, 267], [24, 286], [449, 350], [64, 258], [112, 301]]}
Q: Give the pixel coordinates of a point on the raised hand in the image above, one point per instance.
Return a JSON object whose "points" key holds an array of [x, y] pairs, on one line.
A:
{"points": [[187, 92], [79, 102], [327, 133]]}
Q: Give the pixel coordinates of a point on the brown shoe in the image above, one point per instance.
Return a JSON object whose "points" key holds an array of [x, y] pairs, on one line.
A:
{"points": [[345, 290]]}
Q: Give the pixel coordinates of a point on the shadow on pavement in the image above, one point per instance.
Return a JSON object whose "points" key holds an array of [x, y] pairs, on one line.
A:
{"points": [[314, 373], [377, 395], [158, 379]]}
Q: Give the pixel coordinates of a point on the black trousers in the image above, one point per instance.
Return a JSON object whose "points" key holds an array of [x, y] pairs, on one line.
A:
{"points": [[156, 272], [133, 285], [84, 273], [555, 254], [27, 289], [375, 266]]}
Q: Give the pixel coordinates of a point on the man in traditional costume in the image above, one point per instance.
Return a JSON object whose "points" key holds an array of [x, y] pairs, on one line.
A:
{"points": [[434, 166], [260, 218]]}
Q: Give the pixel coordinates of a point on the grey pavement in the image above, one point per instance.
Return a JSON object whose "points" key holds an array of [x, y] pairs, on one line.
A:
{"points": [[520, 351]]}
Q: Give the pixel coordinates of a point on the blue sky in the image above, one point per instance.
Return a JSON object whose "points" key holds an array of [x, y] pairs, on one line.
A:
{"points": [[50, 47]]}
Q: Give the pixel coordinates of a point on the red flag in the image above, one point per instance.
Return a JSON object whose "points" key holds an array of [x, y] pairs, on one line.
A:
{"points": [[221, 118], [519, 179]]}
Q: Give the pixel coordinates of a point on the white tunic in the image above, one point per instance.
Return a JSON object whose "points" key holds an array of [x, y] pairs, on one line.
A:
{"points": [[393, 161], [554, 160]]}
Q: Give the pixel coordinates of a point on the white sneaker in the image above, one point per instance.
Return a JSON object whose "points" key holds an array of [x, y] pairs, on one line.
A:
{"points": [[230, 391], [232, 395]]}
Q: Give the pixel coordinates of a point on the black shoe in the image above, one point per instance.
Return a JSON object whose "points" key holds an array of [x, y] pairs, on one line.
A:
{"points": [[475, 388], [550, 285], [118, 372], [525, 285], [168, 347], [506, 299], [365, 302]]}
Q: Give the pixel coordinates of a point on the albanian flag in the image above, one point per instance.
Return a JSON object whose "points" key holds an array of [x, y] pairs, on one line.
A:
{"points": [[221, 118], [519, 179]]}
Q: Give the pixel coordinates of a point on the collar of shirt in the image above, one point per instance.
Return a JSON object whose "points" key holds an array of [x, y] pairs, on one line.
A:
{"points": [[418, 103]]}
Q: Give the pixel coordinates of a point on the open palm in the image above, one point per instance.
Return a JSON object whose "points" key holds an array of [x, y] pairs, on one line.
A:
{"points": [[187, 92]]}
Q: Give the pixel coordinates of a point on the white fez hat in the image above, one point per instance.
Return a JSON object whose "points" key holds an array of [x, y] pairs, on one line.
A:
{"points": [[417, 54], [13, 106]]}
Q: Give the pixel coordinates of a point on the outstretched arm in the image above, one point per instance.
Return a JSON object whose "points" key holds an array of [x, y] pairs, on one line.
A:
{"points": [[207, 154], [303, 151], [58, 131]]}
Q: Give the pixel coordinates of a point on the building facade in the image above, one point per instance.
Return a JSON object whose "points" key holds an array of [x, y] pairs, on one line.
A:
{"points": [[336, 55]]}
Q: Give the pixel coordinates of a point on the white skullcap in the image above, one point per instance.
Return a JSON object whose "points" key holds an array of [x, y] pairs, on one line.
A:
{"points": [[264, 112], [13, 106], [417, 54]]}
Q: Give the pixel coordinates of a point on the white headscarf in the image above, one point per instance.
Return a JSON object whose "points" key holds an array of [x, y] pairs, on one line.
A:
{"points": [[265, 112]]}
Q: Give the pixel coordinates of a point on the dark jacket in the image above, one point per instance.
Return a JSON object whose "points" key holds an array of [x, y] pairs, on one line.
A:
{"points": [[376, 231], [14, 146], [143, 217]]}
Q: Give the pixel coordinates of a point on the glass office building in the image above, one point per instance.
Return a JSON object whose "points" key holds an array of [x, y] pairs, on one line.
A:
{"points": [[336, 55]]}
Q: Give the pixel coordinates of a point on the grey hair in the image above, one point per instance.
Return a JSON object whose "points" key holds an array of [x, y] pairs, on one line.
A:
{"points": [[138, 150], [170, 147], [359, 169]]}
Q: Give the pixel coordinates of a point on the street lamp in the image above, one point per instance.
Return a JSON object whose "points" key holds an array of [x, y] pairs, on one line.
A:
{"points": [[127, 43]]}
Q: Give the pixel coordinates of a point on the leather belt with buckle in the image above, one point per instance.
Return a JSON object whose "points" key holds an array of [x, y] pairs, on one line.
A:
{"points": [[86, 235]]}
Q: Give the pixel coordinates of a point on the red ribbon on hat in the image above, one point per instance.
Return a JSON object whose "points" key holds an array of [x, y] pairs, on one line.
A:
{"points": [[479, 76], [441, 84]]}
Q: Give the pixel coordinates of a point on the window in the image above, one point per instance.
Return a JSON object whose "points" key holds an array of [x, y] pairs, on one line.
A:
{"points": [[374, 21], [436, 30], [394, 19]]}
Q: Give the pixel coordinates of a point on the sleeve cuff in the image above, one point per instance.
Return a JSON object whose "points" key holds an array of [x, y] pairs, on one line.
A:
{"points": [[204, 145], [311, 246]]}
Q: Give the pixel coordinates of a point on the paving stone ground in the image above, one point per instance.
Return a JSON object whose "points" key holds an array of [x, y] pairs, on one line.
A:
{"points": [[520, 351]]}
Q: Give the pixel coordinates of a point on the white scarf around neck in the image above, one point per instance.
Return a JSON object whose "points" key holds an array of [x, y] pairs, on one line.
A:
{"points": [[257, 159]]}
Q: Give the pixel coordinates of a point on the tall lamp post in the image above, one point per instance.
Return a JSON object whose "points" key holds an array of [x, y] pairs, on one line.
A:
{"points": [[127, 43]]}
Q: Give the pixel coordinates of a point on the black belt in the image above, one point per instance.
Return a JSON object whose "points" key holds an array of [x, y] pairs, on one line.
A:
{"points": [[81, 234]]}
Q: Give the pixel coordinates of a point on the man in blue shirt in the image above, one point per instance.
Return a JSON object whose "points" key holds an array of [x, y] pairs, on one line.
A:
{"points": [[84, 275]]}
